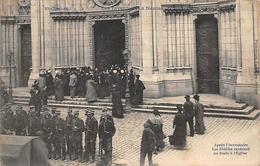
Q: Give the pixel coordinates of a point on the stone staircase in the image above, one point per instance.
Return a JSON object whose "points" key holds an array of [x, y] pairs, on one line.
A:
{"points": [[236, 110]]}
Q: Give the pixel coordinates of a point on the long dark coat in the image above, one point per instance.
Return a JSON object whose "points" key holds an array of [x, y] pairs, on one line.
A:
{"points": [[117, 108], [91, 94], [179, 134], [199, 118], [138, 89], [59, 89], [148, 140]]}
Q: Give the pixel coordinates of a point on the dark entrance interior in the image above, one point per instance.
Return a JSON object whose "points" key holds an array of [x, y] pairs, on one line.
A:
{"points": [[109, 37], [207, 54], [26, 54]]}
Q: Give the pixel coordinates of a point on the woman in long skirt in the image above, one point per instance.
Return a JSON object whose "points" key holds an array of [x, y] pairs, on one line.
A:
{"points": [[178, 138]]}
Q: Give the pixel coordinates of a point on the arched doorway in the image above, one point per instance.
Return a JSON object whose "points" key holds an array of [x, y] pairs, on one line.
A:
{"points": [[207, 54]]}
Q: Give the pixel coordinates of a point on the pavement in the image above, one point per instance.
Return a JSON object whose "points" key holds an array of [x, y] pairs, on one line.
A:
{"points": [[201, 149]]}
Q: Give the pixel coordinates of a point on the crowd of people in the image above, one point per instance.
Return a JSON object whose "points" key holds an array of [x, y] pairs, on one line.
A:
{"points": [[63, 137], [88, 83], [153, 136]]}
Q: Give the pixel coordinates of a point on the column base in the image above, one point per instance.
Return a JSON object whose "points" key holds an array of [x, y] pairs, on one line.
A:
{"points": [[33, 76], [167, 88], [246, 93]]}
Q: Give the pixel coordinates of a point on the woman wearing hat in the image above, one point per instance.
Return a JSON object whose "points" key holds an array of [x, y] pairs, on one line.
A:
{"points": [[178, 139], [199, 115]]}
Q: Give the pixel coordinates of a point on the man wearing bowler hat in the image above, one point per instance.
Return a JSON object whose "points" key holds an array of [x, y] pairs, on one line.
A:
{"points": [[189, 113], [68, 133]]}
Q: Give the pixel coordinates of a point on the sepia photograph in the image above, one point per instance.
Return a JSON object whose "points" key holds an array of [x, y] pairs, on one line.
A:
{"points": [[129, 82]]}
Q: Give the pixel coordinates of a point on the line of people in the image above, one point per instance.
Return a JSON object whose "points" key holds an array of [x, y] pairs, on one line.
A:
{"points": [[63, 137], [153, 136]]}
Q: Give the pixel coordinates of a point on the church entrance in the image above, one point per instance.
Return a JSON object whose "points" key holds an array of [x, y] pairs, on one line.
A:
{"points": [[26, 54], [109, 37], [207, 54]]}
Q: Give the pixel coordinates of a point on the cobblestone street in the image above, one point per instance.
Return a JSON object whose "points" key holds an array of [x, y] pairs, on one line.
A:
{"points": [[126, 142]]}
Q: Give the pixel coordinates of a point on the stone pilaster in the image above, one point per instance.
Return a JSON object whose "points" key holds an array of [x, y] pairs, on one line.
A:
{"points": [[35, 41], [246, 80]]}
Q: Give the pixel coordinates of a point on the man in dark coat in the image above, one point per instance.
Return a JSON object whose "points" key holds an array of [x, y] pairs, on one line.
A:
{"points": [[59, 136], [59, 88], [131, 83], [77, 128], [7, 119], [189, 113], [106, 132], [117, 107], [122, 83], [81, 84], [35, 99], [36, 124], [47, 129], [49, 83], [43, 87], [68, 133], [66, 80], [91, 130], [20, 121], [31, 115], [138, 88], [147, 144]]}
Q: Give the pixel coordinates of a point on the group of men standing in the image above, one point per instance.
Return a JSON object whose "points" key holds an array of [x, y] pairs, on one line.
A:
{"points": [[63, 137]]}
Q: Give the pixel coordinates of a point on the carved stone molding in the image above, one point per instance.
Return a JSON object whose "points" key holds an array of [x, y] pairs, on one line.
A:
{"points": [[23, 20], [24, 7], [68, 15], [199, 8], [109, 16], [134, 12], [7, 19]]}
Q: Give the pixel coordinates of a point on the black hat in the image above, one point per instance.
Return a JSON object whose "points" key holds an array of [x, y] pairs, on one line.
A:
{"points": [[156, 112], [196, 97], [187, 97], [137, 76]]}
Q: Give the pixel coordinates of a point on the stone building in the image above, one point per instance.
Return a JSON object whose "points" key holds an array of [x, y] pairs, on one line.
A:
{"points": [[177, 46]]}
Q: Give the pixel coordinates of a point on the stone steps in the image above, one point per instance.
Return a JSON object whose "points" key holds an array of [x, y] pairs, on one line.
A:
{"points": [[239, 112]]}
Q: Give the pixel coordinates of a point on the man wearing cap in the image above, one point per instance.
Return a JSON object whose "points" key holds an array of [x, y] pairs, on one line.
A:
{"points": [[35, 124], [91, 130], [77, 129], [138, 90], [20, 121], [148, 143], [199, 115], [68, 133], [105, 132], [189, 113], [31, 116], [59, 136], [47, 127]]}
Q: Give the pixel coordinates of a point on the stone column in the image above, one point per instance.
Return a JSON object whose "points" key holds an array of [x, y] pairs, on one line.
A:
{"points": [[35, 41], [246, 80]]}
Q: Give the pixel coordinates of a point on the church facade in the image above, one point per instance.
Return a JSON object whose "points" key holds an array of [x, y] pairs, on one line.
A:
{"points": [[177, 46]]}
